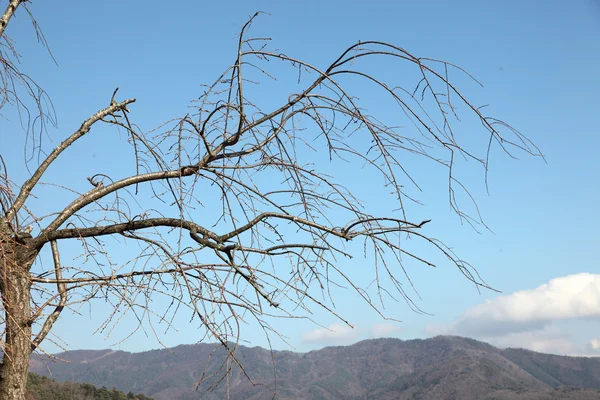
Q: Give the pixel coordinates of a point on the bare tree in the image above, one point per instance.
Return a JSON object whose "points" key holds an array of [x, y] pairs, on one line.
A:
{"points": [[230, 218]]}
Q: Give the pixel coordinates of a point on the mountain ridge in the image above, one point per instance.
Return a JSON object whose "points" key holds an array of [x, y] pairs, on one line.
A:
{"points": [[436, 368]]}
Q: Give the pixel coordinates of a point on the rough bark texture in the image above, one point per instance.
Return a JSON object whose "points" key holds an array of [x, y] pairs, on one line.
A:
{"points": [[16, 258]]}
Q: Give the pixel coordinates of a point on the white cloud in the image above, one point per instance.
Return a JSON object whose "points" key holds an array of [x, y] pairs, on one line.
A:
{"points": [[333, 334], [384, 330], [536, 319], [568, 297]]}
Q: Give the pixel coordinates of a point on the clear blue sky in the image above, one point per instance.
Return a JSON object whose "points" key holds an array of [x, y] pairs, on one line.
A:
{"points": [[538, 62]]}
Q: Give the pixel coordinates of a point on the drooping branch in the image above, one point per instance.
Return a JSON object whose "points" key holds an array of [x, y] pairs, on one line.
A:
{"points": [[62, 294]]}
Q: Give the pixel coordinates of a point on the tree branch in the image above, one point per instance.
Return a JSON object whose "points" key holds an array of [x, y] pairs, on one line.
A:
{"points": [[62, 292], [85, 127], [74, 233], [8, 13], [100, 192]]}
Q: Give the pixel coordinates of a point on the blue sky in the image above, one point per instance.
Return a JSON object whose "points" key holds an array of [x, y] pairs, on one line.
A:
{"points": [[537, 61]]}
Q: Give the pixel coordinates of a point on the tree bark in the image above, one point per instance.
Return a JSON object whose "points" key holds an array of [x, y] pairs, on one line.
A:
{"points": [[16, 258]]}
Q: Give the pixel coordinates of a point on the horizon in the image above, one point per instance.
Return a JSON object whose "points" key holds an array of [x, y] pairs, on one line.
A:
{"points": [[216, 344]]}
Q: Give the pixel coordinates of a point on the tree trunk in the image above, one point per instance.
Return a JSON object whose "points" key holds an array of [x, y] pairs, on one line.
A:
{"points": [[16, 259]]}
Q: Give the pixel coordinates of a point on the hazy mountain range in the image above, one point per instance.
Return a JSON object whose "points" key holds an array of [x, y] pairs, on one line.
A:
{"points": [[444, 367]]}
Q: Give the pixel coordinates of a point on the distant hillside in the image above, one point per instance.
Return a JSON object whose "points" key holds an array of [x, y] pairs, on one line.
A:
{"points": [[438, 368], [42, 388]]}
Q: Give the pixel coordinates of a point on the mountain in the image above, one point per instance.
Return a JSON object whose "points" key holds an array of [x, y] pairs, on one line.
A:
{"points": [[444, 367], [42, 388]]}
